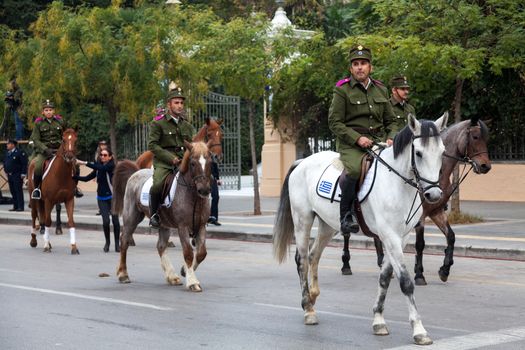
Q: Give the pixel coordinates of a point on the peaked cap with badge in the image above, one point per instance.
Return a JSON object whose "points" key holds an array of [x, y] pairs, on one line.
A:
{"points": [[399, 81], [174, 92], [48, 104], [360, 53]]}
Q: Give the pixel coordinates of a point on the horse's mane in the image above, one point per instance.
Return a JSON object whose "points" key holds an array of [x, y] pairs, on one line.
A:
{"points": [[198, 148], [404, 137]]}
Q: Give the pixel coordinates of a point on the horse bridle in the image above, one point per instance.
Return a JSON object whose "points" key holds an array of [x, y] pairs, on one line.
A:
{"points": [[208, 138]]}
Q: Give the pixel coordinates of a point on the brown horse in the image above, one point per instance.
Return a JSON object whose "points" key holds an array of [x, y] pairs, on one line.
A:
{"points": [[188, 213], [210, 131], [465, 142], [57, 187]]}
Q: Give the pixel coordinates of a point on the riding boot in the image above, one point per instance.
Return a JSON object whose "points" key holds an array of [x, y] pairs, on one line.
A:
{"points": [[347, 213], [116, 235], [154, 202], [106, 236], [36, 194]]}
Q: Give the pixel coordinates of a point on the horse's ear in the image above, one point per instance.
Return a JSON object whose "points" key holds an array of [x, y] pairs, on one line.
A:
{"points": [[441, 123], [488, 122], [207, 121], [220, 121], [414, 124], [188, 145]]}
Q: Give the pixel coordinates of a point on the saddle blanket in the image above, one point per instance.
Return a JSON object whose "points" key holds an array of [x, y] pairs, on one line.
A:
{"points": [[328, 184], [144, 193]]}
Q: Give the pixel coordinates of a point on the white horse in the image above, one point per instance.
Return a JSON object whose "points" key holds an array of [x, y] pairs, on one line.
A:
{"points": [[416, 156]]}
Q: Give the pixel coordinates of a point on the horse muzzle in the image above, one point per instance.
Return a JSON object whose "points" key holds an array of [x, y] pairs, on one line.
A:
{"points": [[433, 194], [203, 191], [482, 168]]}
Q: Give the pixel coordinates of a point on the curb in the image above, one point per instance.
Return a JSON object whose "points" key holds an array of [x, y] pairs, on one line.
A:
{"points": [[359, 242]]}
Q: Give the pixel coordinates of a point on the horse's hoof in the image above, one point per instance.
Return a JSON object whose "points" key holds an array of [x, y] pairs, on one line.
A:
{"points": [[195, 288], [422, 339], [75, 251], [171, 244], [443, 276], [346, 271], [310, 319], [174, 281], [33, 243], [124, 279], [58, 231], [182, 272], [420, 281], [380, 329], [47, 249]]}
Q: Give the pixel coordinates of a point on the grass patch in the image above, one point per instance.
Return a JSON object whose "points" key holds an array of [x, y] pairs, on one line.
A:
{"points": [[455, 218]]}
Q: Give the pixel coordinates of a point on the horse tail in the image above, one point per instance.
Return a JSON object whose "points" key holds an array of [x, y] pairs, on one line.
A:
{"points": [[283, 228], [123, 171]]}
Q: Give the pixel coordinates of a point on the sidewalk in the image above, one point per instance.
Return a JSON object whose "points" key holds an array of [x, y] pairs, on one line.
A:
{"points": [[501, 236]]}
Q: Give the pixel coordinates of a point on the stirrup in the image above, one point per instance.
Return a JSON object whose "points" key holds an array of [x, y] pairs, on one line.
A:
{"points": [[154, 220], [348, 225], [36, 194]]}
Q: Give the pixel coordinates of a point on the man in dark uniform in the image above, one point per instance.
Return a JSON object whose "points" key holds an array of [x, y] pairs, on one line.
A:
{"points": [[15, 166], [359, 115], [167, 134], [46, 139], [399, 101]]}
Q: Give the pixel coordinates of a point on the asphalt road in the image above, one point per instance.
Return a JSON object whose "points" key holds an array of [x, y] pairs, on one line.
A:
{"points": [[58, 301]]}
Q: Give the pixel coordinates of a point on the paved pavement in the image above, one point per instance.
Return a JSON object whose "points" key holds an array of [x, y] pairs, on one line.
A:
{"points": [[500, 236]]}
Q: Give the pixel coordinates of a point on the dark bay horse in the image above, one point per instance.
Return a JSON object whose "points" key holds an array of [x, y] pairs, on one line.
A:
{"points": [[210, 131], [57, 187], [188, 213], [465, 142]]}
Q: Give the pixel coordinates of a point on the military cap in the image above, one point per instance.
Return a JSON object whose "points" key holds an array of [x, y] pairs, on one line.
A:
{"points": [[13, 141], [399, 82], [360, 53], [48, 104], [173, 93]]}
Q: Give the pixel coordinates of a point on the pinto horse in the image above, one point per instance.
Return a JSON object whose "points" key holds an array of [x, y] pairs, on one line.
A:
{"points": [[407, 169], [188, 213], [210, 131], [57, 187], [465, 142]]}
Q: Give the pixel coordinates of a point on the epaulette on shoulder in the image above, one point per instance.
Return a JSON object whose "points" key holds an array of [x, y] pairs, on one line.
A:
{"points": [[159, 117], [378, 82], [343, 81], [39, 119], [57, 117]]}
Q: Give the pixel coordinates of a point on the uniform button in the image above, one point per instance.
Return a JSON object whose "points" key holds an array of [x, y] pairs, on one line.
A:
{"points": [[358, 102], [371, 128], [370, 106]]}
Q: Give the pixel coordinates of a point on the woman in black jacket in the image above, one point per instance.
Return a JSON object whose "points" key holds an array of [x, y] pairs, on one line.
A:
{"points": [[103, 171]]}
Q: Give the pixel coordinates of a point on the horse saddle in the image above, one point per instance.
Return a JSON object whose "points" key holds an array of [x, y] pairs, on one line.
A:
{"points": [[168, 190], [329, 184]]}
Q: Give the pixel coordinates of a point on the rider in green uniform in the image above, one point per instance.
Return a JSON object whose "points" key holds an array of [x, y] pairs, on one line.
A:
{"points": [[46, 139], [399, 101], [359, 115], [167, 134]]}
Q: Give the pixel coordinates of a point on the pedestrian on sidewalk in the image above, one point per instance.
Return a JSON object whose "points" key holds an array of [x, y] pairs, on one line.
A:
{"points": [[103, 171], [215, 183], [15, 166]]}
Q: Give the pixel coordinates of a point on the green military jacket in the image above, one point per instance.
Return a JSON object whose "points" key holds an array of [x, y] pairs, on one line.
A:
{"points": [[166, 139], [355, 112], [47, 133], [401, 112]]}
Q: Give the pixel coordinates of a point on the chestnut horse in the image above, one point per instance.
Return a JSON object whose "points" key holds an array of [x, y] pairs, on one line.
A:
{"points": [[210, 131], [465, 142], [188, 213], [57, 187]]}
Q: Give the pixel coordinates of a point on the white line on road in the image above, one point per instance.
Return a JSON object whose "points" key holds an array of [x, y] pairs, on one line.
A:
{"points": [[84, 296], [357, 317], [474, 340]]}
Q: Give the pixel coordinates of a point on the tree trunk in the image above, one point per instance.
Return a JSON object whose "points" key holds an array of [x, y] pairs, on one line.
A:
{"points": [[454, 200], [113, 112], [256, 198]]}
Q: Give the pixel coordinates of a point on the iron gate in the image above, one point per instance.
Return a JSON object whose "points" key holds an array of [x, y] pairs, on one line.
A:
{"points": [[215, 106]]}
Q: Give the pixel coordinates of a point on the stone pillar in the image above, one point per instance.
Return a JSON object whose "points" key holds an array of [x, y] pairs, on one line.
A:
{"points": [[277, 157]]}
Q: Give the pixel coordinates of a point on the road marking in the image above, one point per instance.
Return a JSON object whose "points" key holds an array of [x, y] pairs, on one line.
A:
{"points": [[474, 340], [357, 317], [84, 296]]}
